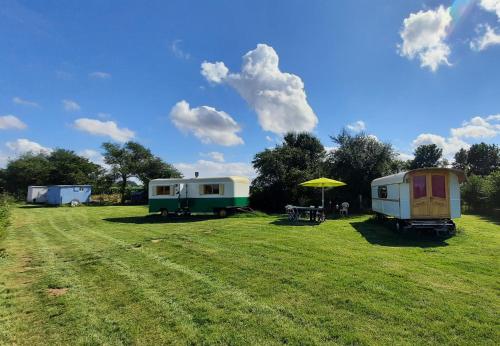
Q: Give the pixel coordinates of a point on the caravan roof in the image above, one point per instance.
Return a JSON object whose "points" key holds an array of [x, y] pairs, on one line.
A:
{"points": [[399, 178], [235, 179]]}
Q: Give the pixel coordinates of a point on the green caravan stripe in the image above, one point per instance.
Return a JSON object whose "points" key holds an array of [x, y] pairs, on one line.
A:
{"points": [[197, 205]]}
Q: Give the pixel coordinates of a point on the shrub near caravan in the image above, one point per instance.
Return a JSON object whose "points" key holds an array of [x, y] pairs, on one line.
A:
{"points": [[198, 195], [420, 198]]}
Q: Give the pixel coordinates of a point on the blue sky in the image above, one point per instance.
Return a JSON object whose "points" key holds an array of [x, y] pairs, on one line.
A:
{"points": [[75, 74]]}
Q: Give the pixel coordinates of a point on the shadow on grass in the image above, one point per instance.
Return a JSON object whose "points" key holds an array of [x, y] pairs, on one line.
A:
{"points": [[285, 222], [487, 218], [36, 206], [382, 234], [150, 219]]}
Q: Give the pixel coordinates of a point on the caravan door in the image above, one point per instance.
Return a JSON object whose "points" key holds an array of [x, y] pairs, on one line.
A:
{"points": [[419, 196], [430, 195], [182, 194], [439, 195]]}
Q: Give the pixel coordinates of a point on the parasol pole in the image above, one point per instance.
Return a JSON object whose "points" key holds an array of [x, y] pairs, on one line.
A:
{"points": [[323, 197]]}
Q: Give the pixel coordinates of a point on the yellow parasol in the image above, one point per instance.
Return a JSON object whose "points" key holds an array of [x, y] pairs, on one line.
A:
{"points": [[322, 182]]}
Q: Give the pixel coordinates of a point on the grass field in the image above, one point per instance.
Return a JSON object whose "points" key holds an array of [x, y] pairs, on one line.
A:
{"points": [[110, 275]]}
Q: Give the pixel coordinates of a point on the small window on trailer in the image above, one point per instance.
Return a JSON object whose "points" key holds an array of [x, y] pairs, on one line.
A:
{"points": [[382, 191], [211, 189], [163, 190]]}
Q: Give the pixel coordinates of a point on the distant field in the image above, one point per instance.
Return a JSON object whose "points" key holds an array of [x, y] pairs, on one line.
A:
{"points": [[110, 275]]}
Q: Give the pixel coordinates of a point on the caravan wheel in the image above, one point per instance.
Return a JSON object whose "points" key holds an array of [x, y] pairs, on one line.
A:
{"points": [[400, 226], [222, 213]]}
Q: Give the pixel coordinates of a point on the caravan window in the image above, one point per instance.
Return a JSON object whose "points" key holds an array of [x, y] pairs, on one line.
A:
{"points": [[438, 186], [419, 186], [163, 190], [210, 189], [382, 191]]}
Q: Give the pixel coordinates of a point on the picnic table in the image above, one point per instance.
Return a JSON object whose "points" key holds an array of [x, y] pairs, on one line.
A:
{"points": [[315, 214]]}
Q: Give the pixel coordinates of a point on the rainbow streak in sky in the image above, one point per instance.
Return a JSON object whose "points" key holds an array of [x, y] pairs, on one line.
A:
{"points": [[459, 10]]}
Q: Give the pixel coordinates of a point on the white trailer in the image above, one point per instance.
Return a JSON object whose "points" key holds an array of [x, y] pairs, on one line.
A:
{"points": [[420, 198], [198, 195], [37, 194]]}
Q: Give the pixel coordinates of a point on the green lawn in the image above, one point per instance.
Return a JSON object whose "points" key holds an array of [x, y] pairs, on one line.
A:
{"points": [[110, 275]]}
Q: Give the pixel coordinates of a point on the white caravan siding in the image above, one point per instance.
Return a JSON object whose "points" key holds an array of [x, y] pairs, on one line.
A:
{"points": [[232, 187], [38, 193], [454, 188]]}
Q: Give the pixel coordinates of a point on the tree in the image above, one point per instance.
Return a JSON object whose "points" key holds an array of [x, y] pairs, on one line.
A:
{"points": [[134, 160], [56, 168], [121, 161], [427, 155], [483, 158], [397, 166], [493, 190], [154, 168], [280, 171], [461, 160], [28, 169], [357, 161], [67, 168], [474, 192]]}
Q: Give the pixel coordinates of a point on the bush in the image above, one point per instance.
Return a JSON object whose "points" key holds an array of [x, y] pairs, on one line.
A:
{"points": [[5, 203], [106, 199], [482, 194], [492, 187]]}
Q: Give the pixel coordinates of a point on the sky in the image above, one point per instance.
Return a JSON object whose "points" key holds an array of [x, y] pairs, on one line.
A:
{"points": [[208, 84]]}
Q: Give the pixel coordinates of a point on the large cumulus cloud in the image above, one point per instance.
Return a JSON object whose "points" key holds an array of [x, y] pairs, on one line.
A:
{"points": [[278, 98]]}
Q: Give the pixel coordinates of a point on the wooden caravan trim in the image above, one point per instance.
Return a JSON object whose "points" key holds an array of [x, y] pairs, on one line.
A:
{"points": [[432, 202]]}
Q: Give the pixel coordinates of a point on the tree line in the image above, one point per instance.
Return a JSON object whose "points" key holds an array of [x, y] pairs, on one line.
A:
{"points": [[65, 167], [357, 159]]}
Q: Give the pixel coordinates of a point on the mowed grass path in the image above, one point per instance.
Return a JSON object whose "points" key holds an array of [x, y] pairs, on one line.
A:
{"points": [[110, 275]]}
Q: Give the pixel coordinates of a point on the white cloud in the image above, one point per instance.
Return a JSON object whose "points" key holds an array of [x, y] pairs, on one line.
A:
{"points": [[214, 72], [278, 98], [449, 145], [20, 101], [4, 159], [331, 149], [215, 169], [70, 105], [357, 126], [104, 128], [206, 123], [404, 156], [178, 52], [214, 155], [93, 156], [489, 38], [11, 122], [477, 127], [491, 6], [23, 145], [100, 75], [424, 34]]}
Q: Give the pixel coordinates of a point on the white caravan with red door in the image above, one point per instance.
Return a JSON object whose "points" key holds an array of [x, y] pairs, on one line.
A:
{"points": [[420, 198]]}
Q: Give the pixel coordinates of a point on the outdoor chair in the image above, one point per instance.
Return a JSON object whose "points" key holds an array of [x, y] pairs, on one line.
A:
{"points": [[344, 209]]}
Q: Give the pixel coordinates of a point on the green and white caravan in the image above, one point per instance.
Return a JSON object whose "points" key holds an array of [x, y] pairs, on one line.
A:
{"points": [[198, 195]]}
